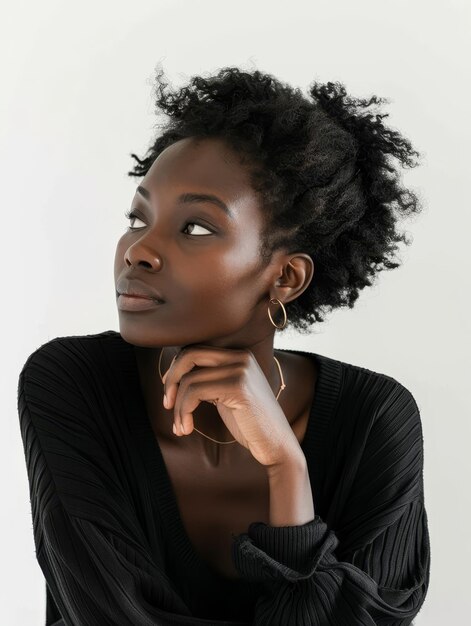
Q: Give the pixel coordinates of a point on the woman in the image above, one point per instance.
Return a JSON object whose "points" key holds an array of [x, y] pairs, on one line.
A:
{"points": [[182, 471]]}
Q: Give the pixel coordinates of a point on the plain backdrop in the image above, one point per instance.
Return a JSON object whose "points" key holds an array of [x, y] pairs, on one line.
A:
{"points": [[76, 83]]}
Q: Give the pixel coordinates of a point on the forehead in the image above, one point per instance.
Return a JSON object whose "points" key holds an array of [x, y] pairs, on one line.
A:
{"points": [[207, 164]]}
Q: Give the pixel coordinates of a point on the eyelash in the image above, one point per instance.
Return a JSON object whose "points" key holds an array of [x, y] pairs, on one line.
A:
{"points": [[130, 214]]}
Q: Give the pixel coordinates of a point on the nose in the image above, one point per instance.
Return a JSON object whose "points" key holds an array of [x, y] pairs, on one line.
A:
{"points": [[139, 254]]}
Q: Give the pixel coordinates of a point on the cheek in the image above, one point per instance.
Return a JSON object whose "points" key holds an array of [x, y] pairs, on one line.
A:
{"points": [[227, 273], [241, 256], [231, 283]]}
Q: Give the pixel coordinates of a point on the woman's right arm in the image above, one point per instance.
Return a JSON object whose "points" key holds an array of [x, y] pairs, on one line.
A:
{"points": [[89, 544]]}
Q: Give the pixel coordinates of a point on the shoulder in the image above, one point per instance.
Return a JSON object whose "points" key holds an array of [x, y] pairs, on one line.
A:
{"points": [[67, 367], [367, 400], [68, 352], [382, 403], [377, 426], [355, 387], [364, 382], [63, 387]]}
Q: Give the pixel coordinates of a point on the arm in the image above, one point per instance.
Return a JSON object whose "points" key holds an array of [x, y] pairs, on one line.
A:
{"points": [[374, 566], [92, 550], [291, 502]]}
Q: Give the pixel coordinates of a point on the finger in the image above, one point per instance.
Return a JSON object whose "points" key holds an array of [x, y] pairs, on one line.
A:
{"points": [[169, 368], [188, 358], [191, 396], [173, 375]]}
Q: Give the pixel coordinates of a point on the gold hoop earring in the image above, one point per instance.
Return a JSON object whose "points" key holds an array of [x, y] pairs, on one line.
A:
{"points": [[274, 301]]}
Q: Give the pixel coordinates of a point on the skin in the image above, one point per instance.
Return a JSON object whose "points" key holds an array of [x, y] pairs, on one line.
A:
{"points": [[216, 292]]}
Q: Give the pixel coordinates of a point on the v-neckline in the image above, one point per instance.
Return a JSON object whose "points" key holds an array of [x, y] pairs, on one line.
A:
{"points": [[325, 397]]}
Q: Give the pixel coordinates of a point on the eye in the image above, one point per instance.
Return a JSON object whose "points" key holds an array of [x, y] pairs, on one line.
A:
{"points": [[130, 215], [197, 226]]}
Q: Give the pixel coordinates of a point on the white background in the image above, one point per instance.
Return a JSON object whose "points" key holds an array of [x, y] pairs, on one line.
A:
{"points": [[77, 99]]}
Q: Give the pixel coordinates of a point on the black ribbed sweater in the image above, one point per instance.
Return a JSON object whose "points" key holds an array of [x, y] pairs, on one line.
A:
{"points": [[112, 546]]}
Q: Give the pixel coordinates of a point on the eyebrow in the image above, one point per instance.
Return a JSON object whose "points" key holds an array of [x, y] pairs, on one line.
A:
{"points": [[191, 197]]}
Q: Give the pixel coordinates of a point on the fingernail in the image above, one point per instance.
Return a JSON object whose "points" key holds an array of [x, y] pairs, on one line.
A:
{"points": [[173, 428], [165, 400]]}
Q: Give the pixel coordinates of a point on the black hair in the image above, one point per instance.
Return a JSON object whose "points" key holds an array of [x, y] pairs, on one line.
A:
{"points": [[322, 166]]}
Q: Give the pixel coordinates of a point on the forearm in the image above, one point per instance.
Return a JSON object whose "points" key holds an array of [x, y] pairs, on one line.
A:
{"points": [[291, 502]]}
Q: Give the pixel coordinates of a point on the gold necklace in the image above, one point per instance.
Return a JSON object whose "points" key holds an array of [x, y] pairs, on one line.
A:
{"points": [[282, 386]]}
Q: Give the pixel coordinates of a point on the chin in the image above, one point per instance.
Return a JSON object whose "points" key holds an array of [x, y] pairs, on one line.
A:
{"points": [[137, 337], [145, 337]]}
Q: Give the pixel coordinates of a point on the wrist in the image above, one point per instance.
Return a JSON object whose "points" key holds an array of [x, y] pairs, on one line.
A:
{"points": [[292, 465], [291, 499]]}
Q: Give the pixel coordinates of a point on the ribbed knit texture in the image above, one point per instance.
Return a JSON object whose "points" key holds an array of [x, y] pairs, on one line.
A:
{"points": [[110, 540]]}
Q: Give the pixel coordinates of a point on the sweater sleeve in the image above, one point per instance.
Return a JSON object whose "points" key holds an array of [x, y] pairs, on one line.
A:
{"points": [[94, 554], [374, 567]]}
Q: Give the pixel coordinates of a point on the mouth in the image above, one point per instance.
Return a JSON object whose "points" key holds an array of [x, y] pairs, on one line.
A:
{"points": [[137, 288], [128, 302]]}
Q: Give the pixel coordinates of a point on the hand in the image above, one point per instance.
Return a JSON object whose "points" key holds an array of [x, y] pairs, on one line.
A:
{"points": [[235, 383]]}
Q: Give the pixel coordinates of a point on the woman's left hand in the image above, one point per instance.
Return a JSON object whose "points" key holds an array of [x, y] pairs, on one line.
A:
{"points": [[235, 383]]}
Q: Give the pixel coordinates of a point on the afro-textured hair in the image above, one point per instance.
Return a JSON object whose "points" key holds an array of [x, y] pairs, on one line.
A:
{"points": [[322, 167]]}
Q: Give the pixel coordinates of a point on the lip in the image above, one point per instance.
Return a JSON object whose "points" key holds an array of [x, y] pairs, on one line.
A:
{"points": [[136, 303], [138, 289]]}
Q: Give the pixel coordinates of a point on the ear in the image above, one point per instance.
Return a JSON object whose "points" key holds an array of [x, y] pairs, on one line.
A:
{"points": [[296, 275]]}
